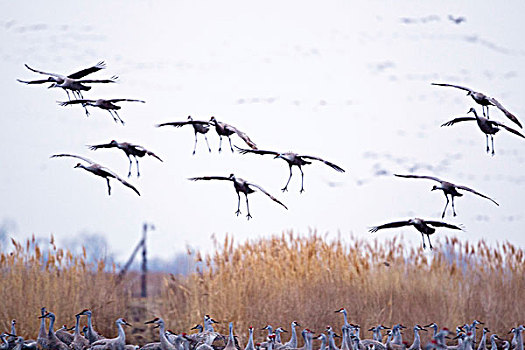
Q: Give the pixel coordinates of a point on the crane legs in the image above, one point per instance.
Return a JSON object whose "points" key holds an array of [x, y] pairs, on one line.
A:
{"points": [[249, 216], [67, 92], [423, 238], [492, 141], [130, 163], [209, 149], [220, 143], [207, 143], [238, 204], [115, 116], [195, 145], [430, 243], [446, 205], [453, 209], [285, 188], [138, 171], [109, 186], [302, 180], [229, 139]]}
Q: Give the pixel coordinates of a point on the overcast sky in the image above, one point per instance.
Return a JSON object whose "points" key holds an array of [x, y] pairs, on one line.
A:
{"points": [[348, 81]]}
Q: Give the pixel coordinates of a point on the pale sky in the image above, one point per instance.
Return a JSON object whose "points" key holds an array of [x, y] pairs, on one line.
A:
{"points": [[347, 81]]}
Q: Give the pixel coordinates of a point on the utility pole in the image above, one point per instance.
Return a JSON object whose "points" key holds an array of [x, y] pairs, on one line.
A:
{"points": [[143, 284], [144, 269]]}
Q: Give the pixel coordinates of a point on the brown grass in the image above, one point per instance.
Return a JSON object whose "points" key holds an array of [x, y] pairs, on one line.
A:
{"points": [[277, 280]]}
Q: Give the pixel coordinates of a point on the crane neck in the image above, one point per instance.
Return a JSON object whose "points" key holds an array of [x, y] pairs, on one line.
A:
{"points": [[163, 339], [417, 340], [121, 334], [77, 326], [293, 338], [250, 345], [231, 339], [397, 339], [308, 340], [51, 323], [345, 316], [323, 343], [493, 344], [331, 342]]}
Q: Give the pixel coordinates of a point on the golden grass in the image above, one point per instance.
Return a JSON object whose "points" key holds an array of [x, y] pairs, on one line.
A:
{"points": [[288, 278], [278, 280], [32, 278]]}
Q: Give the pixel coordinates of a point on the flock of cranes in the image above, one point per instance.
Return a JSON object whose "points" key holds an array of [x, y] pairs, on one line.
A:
{"points": [[86, 338], [76, 83], [488, 127]]}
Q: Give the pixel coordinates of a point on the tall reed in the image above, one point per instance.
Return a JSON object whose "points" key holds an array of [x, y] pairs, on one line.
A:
{"points": [[33, 277]]}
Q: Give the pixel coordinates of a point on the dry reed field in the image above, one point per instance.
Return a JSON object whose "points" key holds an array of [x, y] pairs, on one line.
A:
{"points": [[277, 280]]}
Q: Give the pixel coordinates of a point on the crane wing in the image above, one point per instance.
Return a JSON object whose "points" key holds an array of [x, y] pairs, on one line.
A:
{"points": [[243, 136], [266, 193], [515, 132], [256, 151], [210, 178], [419, 177], [73, 156], [457, 120], [455, 86], [41, 72], [179, 124], [390, 225], [82, 73], [43, 81], [122, 181], [124, 99], [465, 188], [505, 111], [113, 79], [332, 165], [443, 224], [104, 145], [73, 102], [149, 153]]}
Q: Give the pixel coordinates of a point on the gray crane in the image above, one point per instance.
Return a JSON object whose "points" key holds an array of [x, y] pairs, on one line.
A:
{"points": [[485, 101], [108, 105], [60, 79], [243, 186], [98, 170], [41, 340], [199, 127], [165, 344], [448, 188], [489, 127], [292, 343], [91, 335], [227, 130], [79, 342], [53, 342], [78, 85], [292, 159], [130, 150], [118, 343], [421, 225]]}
